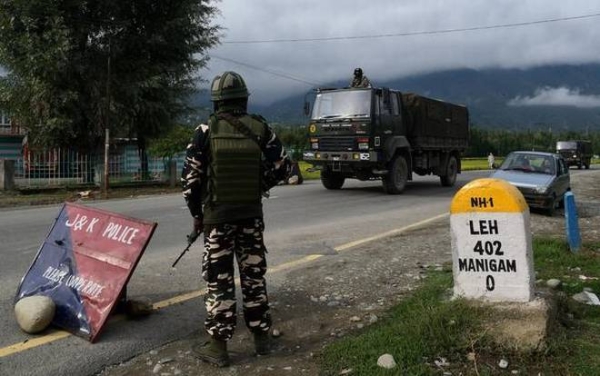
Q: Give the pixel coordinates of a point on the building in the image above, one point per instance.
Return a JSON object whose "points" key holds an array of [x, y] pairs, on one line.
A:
{"points": [[11, 138]]}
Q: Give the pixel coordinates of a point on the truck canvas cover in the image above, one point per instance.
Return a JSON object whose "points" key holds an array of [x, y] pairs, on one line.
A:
{"points": [[428, 118]]}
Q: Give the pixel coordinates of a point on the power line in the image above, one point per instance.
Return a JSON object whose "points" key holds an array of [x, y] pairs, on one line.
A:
{"points": [[414, 33], [279, 74]]}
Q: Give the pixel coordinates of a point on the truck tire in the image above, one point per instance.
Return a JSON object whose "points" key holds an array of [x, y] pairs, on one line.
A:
{"points": [[332, 180], [395, 180], [449, 179]]}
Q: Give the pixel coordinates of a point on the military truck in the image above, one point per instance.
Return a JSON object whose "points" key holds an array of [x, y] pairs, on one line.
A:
{"points": [[379, 133], [576, 153]]}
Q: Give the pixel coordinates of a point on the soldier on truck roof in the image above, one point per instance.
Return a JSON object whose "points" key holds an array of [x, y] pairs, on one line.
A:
{"points": [[360, 80]]}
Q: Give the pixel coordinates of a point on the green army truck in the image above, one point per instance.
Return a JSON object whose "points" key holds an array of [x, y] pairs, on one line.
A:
{"points": [[576, 152], [378, 133]]}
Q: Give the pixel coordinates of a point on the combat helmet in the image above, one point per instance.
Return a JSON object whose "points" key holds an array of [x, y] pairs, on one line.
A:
{"points": [[358, 72], [229, 85]]}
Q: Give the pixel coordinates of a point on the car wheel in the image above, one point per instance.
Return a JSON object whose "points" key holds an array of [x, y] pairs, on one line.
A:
{"points": [[561, 202], [552, 207]]}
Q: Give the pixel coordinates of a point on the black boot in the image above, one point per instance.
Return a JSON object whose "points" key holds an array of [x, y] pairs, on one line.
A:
{"points": [[262, 343], [214, 351]]}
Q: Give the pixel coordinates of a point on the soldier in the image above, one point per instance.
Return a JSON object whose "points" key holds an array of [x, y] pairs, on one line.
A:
{"points": [[222, 188], [359, 79], [491, 161]]}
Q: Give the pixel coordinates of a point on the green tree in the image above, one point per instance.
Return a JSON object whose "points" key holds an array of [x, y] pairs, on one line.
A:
{"points": [[77, 67], [172, 143]]}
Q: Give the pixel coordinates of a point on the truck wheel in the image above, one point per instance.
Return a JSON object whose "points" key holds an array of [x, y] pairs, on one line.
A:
{"points": [[395, 180], [449, 179], [332, 180]]}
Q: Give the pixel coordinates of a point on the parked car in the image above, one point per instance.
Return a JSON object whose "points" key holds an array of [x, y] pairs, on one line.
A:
{"points": [[543, 178]]}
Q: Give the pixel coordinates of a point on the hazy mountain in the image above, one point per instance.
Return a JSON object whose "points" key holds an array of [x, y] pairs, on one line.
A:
{"points": [[557, 97]]}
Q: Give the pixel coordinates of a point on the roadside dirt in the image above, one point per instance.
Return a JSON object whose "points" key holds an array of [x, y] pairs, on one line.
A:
{"points": [[344, 293], [50, 196]]}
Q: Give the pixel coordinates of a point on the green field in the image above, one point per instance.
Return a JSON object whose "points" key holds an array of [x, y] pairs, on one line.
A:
{"points": [[467, 164]]}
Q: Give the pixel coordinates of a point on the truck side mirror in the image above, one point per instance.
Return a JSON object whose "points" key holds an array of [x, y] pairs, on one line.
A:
{"points": [[306, 108]]}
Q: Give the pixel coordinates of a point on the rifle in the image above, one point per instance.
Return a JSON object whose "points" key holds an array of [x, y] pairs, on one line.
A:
{"points": [[191, 238]]}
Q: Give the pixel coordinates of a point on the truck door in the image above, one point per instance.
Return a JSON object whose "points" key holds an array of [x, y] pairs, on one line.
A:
{"points": [[384, 109], [396, 115]]}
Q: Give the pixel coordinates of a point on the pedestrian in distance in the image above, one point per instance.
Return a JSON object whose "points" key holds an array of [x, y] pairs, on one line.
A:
{"points": [[224, 179], [360, 80], [491, 161]]}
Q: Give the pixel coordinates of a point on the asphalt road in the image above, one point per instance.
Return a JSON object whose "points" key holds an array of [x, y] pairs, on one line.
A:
{"points": [[300, 221]]}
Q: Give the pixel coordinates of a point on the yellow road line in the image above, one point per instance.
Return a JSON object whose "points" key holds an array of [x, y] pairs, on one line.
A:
{"points": [[55, 335], [178, 299], [398, 231]]}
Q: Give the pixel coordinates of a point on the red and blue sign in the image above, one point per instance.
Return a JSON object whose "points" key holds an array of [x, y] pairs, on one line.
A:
{"points": [[85, 264]]}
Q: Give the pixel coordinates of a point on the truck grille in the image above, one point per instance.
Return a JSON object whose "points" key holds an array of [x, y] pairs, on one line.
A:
{"points": [[336, 143]]}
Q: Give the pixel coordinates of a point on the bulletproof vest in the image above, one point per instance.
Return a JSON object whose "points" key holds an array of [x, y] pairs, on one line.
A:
{"points": [[234, 171]]}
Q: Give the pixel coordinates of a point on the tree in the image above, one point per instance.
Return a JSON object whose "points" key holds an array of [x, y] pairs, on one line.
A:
{"points": [[77, 67], [172, 143]]}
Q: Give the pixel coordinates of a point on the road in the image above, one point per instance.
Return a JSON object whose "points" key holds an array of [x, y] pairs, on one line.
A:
{"points": [[300, 220]]}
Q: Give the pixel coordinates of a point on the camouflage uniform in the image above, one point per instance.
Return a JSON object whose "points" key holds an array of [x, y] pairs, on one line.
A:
{"points": [[362, 81], [231, 230], [244, 240]]}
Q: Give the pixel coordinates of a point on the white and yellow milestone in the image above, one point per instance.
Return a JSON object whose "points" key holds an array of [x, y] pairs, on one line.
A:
{"points": [[492, 256]]}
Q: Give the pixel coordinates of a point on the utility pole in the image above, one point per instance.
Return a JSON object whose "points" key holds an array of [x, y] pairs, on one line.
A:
{"points": [[106, 127]]}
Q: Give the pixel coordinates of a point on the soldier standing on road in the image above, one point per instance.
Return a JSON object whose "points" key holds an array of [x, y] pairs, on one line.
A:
{"points": [[360, 80], [222, 188]]}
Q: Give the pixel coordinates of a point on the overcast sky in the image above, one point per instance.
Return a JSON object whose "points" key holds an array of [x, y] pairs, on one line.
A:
{"points": [[411, 39]]}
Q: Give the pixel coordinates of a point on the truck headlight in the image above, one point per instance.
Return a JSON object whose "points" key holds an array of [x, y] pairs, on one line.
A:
{"points": [[541, 190]]}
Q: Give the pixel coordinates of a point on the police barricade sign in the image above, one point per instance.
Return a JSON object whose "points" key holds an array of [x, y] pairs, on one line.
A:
{"points": [[84, 265], [492, 256]]}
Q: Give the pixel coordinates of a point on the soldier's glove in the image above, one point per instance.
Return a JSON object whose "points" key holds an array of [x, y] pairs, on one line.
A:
{"points": [[197, 228]]}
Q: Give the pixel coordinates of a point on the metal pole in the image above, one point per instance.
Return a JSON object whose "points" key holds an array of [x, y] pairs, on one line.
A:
{"points": [[107, 125], [105, 180]]}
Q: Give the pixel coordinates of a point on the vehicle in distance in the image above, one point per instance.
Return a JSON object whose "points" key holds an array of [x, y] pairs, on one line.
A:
{"points": [[379, 133], [576, 153], [543, 178]]}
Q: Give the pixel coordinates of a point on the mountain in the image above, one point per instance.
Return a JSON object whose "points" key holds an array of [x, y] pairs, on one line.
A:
{"points": [[565, 97]]}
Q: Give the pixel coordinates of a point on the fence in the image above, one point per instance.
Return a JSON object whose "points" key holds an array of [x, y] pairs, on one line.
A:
{"points": [[59, 168]]}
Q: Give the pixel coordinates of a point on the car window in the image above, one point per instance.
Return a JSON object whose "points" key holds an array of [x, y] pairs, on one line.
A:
{"points": [[563, 169], [535, 163]]}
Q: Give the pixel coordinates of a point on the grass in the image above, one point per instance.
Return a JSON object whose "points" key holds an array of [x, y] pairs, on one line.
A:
{"points": [[59, 195], [427, 326], [469, 164], [303, 166]]}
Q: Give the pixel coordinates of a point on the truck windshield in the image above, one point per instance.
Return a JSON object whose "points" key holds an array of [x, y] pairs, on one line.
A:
{"points": [[566, 145], [342, 104]]}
